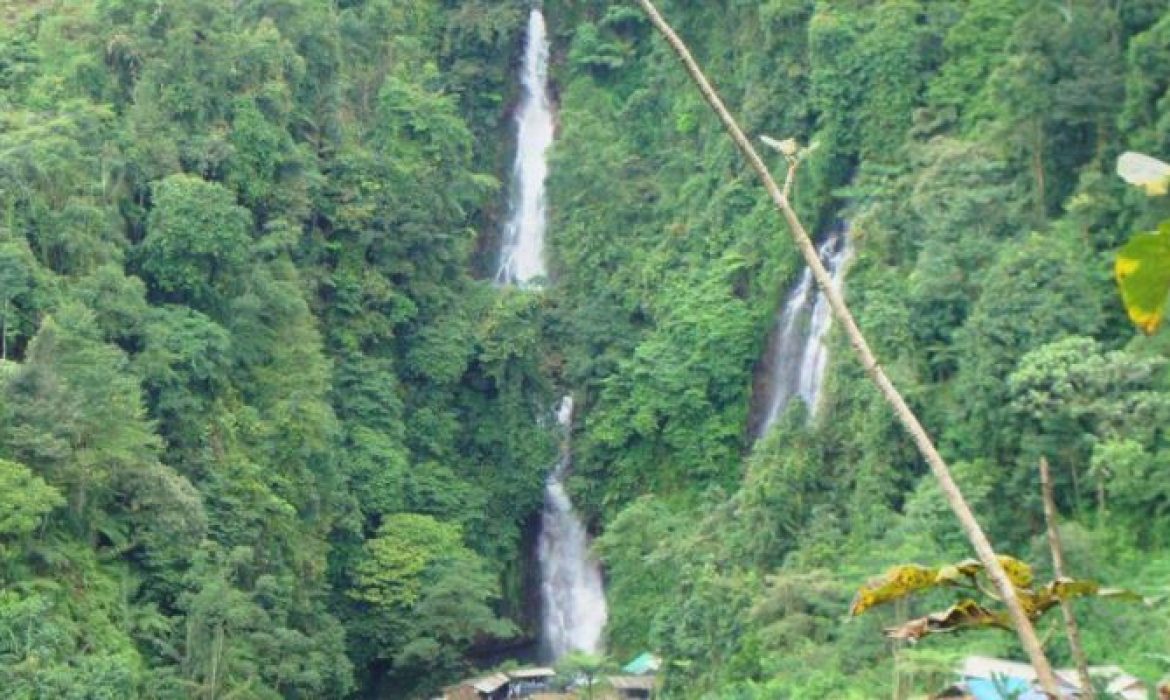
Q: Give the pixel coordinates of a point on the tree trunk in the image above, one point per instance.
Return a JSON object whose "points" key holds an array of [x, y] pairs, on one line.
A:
{"points": [[1038, 173], [1076, 484], [1070, 622], [903, 681], [909, 420], [216, 654]]}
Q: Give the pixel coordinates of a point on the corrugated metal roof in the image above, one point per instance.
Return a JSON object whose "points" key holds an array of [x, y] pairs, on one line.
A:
{"points": [[531, 673], [987, 689], [490, 684], [984, 668], [631, 682], [645, 663], [1125, 685], [989, 667]]}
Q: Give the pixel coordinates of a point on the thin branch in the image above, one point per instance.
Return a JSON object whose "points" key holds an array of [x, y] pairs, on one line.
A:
{"points": [[993, 595], [909, 420], [789, 179], [1070, 622]]}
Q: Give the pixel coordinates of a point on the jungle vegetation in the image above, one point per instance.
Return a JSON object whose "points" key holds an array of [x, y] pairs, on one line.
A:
{"points": [[268, 430]]}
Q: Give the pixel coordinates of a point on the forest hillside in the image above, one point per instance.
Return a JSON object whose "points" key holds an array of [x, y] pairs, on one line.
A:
{"points": [[269, 429]]}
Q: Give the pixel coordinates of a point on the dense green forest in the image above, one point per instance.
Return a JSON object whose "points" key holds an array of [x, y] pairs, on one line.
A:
{"points": [[267, 429]]}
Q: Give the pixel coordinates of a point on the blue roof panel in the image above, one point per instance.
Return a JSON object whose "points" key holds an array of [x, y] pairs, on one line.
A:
{"points": [[987, 689]]}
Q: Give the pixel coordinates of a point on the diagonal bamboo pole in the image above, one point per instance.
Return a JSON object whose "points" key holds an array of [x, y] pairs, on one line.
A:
{"points": [[909, 420]]}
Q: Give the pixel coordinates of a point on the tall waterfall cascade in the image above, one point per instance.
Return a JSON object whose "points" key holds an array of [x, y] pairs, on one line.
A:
{"points": [[522, 253], [797, 353], [573, 610], [570, 578]]}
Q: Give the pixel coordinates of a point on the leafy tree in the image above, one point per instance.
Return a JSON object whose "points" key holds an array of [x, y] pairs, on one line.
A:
{"points": [[583, 668], [19, 274], [197, 242], [1037, 291], [77, 413], [1083, 401], [31, 500], [245, 322], [424, 595]]}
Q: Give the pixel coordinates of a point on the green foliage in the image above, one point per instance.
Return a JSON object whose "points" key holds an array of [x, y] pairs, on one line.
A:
{"points": [[238, 332], [1039, 289], [31, 499], [196, 243], [390, 574], [586, 669], [425, 596], [1097, 412], [264, 434], [966, 144]]}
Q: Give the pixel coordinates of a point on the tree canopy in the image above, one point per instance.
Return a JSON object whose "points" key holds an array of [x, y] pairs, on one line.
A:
{"points": [[267, 428]]}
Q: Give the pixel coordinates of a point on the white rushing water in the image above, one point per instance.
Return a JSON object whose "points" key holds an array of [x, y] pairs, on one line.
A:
{"points": [[797, 351], [522, 254], [571, 589], [573, 610]]}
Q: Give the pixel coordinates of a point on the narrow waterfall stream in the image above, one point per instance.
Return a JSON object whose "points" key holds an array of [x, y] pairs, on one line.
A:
{"points": [[573, 610], [570, 578], [522, 252], [797, 354]]}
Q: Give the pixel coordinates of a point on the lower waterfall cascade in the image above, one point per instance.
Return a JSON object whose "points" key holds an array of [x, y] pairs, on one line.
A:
{"points": [[572, 594]]}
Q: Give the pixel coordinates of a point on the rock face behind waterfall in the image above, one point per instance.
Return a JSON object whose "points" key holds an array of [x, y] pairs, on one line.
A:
{"points": [[796, 356], [573, 610]]}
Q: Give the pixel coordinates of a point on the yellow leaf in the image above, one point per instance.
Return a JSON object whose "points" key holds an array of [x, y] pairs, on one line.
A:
{"points": [[1019, 573], [1066, 588], [966, 613], [898, 582], [1124, 267], [1036, 604], [948, 575]]}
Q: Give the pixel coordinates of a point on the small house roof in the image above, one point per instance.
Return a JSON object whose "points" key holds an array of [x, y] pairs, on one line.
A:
{"points": [[1022, 675], [527, 674], [644, 663], [987, 689], [631, 682], [490, 684], [989, 667], [1121, 683]]}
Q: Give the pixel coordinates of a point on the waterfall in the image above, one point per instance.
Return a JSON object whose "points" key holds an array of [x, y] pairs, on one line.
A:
{"points": [[522, 253], [573, 610], [797, 355], [570, 578]]}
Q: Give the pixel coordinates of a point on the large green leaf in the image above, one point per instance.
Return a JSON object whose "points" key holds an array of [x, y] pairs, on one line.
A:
{"points": [[1142, 269]]}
